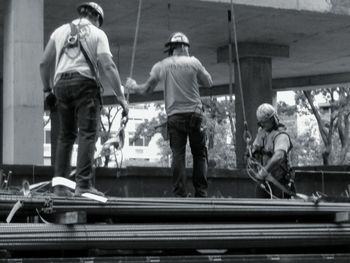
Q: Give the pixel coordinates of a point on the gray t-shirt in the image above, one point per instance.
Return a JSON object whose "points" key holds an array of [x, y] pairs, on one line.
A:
{"points": [[180, 76]]}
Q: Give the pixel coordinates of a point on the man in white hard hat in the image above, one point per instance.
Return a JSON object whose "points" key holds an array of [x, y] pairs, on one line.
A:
{"points": [[271, 147], [76, 60], [180, 76]]}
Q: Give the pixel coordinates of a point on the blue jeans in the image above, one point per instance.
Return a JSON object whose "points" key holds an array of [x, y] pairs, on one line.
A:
{"points": [[78, 107], [181, 126]]}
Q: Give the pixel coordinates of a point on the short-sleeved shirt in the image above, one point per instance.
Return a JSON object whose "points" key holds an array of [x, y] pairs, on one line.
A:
{"points": [[73, 59], [180, 76]]}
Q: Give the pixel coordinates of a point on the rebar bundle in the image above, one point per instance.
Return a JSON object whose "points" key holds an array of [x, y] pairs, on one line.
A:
{"points": [[174, 208], [171, 236]]}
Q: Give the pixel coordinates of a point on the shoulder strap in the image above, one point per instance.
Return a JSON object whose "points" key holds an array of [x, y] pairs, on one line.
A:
{"points": [[283, 132], [70, 41]]}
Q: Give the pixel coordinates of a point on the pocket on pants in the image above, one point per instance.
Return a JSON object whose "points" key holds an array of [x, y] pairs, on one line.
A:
{"points": [[197, 122]]}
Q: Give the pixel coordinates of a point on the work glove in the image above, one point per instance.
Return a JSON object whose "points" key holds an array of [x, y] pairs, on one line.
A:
{"points": [[50, 100]]}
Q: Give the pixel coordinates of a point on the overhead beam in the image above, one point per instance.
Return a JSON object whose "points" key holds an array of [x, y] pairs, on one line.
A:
{"points": [[247, 49], [310, 81], [278, 84]]}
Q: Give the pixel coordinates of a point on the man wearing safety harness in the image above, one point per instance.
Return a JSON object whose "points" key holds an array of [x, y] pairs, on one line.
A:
{"points": [[180, 75], [271, 147], [76, 58]]}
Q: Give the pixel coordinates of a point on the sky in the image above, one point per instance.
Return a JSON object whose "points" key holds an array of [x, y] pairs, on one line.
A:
{"points": [[286, 96]]}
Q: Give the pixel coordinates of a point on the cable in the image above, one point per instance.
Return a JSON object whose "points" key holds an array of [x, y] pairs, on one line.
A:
{"points": [[134, 45], [253, 167], [246, 134]]}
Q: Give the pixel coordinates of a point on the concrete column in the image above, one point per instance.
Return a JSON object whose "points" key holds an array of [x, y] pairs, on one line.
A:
{"points": [[22, 89], [256, 75]]}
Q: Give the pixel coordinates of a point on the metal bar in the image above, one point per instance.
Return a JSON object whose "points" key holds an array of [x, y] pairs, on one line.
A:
{"points": [[172, 207], [172, 236], [208, 258]]}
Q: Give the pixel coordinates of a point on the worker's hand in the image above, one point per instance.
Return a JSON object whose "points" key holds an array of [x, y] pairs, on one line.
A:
{"points": [[50, 100], [262, 174], [291, 185], [131, 84]]}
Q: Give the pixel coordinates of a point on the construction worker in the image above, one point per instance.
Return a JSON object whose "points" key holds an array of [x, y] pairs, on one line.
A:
{"points": [[271, 147], [76, 60], [180, 76]]}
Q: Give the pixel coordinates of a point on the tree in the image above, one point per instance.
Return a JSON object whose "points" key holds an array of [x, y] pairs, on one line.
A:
{"points": [[306, 146], [333, 125], [108, 115]]}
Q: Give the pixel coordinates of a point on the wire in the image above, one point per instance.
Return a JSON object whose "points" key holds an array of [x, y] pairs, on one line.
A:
{"points": [[134, 45], [253, 167], [246, 134]]}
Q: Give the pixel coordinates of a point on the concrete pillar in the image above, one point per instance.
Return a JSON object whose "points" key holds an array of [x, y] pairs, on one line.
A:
{"points": [[257, 89], [22, 89], [256, 75]]}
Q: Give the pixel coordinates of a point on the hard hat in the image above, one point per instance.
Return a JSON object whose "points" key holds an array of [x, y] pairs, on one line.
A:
{"points": [[92, 5], [177, 38], [265, 111]]}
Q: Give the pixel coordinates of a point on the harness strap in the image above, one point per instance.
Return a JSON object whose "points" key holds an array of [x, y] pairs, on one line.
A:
{"points": [[93, 70], [74, 41]]}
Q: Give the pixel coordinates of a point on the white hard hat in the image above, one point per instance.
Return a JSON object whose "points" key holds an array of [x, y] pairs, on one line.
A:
{"points": [[95, 7], [177, 38], [265, 111]]}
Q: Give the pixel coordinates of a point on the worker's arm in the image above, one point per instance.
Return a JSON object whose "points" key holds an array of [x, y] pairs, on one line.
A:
{"points": [[144, 88], [276, 158], [47, 65], [204, 78], [282, 144], [109, 71]]}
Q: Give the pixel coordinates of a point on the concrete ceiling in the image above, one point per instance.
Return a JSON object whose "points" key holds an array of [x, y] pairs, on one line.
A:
{"points": [[318, 41]]}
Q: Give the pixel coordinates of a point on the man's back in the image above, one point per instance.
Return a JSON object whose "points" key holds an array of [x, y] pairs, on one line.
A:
{"points": [[180, 76], [71, 58]]}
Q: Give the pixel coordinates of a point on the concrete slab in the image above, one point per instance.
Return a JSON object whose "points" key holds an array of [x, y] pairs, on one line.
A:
{"points": [[317, 32]]}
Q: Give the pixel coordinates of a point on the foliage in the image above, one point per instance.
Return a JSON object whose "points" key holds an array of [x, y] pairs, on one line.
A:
{"points": [[332, 120], [220, 133], [149, 128], [108, 115]]}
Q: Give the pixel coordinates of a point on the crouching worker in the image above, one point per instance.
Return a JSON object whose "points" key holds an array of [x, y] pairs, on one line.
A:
{"points": [[271, 148], [180, 76]]}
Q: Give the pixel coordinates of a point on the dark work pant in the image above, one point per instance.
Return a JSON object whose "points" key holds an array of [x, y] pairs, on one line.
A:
{"points": [[79, 113], [180, 127]]}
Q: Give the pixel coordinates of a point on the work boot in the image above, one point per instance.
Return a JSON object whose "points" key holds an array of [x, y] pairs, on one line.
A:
{"points": [[62, 191], [201, 194], [91, 190]]}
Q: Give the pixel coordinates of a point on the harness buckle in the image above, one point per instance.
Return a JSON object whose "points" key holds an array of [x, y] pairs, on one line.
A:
{"points": [[72, 40]]}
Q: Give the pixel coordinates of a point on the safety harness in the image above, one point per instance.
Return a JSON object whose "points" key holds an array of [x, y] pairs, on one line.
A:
{"points": [[73, 41]]}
